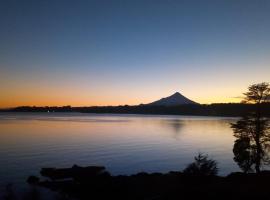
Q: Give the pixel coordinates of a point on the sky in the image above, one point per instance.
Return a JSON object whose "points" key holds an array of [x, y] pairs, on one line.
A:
{"points": [[85, 53]]}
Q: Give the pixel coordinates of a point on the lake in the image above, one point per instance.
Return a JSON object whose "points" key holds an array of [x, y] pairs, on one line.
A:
{"points": [[124, 144]]}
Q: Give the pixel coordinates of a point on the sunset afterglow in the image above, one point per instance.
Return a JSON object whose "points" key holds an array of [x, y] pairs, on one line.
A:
{"points": [[92, 53]]}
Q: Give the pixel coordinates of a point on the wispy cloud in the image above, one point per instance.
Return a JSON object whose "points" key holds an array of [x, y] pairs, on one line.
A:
{"points": [[238, 97]]}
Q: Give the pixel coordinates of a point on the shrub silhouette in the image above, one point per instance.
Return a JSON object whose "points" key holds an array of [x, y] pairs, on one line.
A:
{"points": [[202, 166]]}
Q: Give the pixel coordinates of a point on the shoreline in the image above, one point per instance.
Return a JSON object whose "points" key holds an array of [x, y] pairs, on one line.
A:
{"points": [[215, 110], [95, 182]]}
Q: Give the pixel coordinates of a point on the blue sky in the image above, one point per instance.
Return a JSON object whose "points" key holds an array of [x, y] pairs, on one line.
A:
{"points": [[131, 52]]}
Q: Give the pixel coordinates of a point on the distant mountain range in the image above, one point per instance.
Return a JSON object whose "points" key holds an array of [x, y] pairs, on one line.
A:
{"points": [[173, 100]]}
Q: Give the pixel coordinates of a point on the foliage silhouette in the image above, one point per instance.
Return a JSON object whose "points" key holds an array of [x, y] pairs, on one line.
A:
{"points": [[243, 154], [258, 93], [252, 146], [202, 166]]}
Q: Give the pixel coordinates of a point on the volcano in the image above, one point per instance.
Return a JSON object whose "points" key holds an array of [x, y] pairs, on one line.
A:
{"points": [[173, 100]]}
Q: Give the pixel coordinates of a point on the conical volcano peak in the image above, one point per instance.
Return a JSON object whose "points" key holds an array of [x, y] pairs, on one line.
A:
{"points": [[177, 94], [173, 100]]}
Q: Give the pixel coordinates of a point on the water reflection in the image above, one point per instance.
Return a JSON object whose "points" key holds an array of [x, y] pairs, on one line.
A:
{"points": [[125, 144], [174, 124]]}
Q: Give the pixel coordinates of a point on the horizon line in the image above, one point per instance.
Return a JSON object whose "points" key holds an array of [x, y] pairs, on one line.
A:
{"points": [[59, 106]]}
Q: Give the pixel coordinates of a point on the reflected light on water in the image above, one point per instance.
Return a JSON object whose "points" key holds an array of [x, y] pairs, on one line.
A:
{"points": [[125, 144]]}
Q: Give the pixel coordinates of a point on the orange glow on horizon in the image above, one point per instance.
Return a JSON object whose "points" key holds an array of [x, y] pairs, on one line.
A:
{"points": [[38, 94], [15, 102]]}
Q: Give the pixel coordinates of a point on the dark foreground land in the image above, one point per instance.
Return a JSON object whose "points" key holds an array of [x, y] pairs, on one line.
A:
{"points": [[96, 183]]}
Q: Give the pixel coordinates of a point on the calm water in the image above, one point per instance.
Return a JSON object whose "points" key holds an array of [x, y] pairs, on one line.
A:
{"points": [[125, 144]]}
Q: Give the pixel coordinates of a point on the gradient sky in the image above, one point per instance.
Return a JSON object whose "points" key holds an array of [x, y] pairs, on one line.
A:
{"points": [[130, 52]]}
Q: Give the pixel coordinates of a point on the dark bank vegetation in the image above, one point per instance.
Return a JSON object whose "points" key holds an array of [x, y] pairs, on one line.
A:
{"points": [[198, 181], [225, 109]]}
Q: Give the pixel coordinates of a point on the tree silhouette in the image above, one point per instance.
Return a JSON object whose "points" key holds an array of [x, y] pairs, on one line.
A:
{"points": [[257, 93], [251, 148], [202, 166]]}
